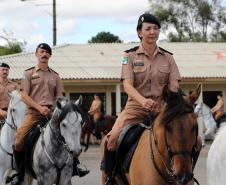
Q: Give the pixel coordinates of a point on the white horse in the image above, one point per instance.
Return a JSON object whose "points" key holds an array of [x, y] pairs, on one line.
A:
{"points": [[15, 115], [58, 144], [216, 159], [202, 110]]}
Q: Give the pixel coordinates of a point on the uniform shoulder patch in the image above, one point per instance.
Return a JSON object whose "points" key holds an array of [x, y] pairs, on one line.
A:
{"points": [[125, 60], [29, 68], [53, 71], [132, 49], [165, 51]]}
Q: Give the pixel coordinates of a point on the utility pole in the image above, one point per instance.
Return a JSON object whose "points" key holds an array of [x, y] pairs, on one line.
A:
{"points": [[54, 22]]}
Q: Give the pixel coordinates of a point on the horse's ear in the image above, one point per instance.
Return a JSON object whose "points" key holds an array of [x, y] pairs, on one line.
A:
{"points": [[78, 102], [195, 94]]}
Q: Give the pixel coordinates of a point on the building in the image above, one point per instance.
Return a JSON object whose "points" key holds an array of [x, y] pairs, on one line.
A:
{"points": [[95, 68]]}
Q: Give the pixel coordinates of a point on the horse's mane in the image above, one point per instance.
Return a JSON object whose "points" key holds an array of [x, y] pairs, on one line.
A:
{"points": [[65, 109], [175, 105]]}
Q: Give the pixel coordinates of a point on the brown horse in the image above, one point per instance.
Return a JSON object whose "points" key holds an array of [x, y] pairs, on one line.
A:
{"points": [[165, 152], [106, 125]]}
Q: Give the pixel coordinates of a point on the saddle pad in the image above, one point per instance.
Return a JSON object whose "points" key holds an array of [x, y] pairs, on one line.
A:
{"points": [[127, 144], [29, 144]]}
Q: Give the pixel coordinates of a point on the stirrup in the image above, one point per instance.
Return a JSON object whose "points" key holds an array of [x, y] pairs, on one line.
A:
{"points": [[79, 171]]}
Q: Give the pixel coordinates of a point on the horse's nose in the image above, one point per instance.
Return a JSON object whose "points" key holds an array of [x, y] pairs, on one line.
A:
{"points": [[77, 153], [184, 178]]}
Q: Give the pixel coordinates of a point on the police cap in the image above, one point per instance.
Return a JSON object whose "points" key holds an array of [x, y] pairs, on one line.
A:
{"points": [[4, 65], [149, 18], [45, 47]]}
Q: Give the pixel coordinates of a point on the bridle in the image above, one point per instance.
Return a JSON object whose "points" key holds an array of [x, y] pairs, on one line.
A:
{"points": [[61, 140], [170, 178], [13, 125]]}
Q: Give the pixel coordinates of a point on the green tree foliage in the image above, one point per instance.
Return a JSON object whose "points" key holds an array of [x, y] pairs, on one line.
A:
{"points": [[12, 45], [105, 37], [191, 20]]}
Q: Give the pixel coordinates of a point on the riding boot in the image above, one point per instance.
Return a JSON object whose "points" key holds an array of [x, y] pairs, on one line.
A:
{"points": [[20, 167], [77, 170], [110, 165]]}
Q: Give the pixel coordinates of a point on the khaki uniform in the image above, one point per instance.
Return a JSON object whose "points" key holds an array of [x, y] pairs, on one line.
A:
{"points": [[5, 88], [219, 109], [150, 74], [43, 87], [95, 110]]}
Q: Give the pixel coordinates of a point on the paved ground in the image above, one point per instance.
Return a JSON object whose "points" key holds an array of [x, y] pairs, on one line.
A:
{"points": [[91, 159]]}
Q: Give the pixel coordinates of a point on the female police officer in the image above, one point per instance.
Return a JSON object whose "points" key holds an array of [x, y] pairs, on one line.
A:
{"points": [[145, 71]]}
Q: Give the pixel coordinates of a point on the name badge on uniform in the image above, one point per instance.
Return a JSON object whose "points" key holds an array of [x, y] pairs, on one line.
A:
{"points": [[35, 76], [125, 61]]}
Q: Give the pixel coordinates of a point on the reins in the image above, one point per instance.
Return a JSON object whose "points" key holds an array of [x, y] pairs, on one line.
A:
{"points": [[171, 176], [51, 159], [13, 127]]}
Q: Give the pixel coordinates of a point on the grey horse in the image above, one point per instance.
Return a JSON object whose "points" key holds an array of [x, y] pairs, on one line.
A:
{"points": [[58, 144]]}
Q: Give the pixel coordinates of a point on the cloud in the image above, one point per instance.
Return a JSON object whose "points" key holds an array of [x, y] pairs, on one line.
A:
{"points": [[77, 21]]}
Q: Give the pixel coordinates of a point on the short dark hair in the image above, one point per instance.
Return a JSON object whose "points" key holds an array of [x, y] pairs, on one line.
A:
{"points": [[220, 94], [4, 65]]}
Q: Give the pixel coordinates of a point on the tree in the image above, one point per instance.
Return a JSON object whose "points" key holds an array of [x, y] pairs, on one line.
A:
{"points": [[105, 37], [191, 20], [12, 45]]}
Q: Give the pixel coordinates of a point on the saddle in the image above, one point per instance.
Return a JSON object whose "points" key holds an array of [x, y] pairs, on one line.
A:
{"points": [[30, 142], [127, 143]]}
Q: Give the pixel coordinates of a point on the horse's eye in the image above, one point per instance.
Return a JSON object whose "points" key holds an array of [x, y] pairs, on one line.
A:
{"points": [[64, 125], [168, 128], [13, 110]]}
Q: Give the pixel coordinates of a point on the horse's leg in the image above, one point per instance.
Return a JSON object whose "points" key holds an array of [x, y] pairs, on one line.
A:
{"points": [[69, 183], [103, 174], [27, 180], [87, 141]]}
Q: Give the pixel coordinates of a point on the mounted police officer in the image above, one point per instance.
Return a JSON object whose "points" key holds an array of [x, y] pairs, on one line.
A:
{"points": [[146, 69], [39, 89], [6, 86]]}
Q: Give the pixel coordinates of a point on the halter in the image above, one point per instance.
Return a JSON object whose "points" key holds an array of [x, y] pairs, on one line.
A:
{"points": [[13, 126], [170, 179], [61, 140]]}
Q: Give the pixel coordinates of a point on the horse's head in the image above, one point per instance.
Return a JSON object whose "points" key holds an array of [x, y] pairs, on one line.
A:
{"points": [[68, 123], [176, 130], [16, 109]]}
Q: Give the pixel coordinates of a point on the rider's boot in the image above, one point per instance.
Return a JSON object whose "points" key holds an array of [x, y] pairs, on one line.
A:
{"points": [[77, 170], [110, 163], [20, 167]]}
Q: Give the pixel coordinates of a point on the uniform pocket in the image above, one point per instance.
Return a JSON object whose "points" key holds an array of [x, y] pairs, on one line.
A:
{"points": [[163, 74], [51, 83], [139, 69], [36, 81]]}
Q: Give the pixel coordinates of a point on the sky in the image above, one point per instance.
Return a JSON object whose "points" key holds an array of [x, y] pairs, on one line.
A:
{"points": [[77, 20]]}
